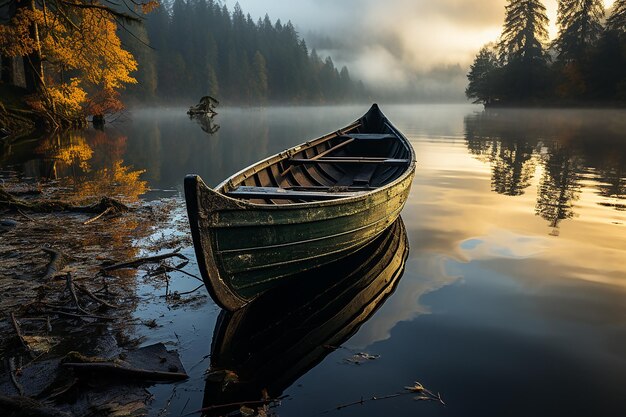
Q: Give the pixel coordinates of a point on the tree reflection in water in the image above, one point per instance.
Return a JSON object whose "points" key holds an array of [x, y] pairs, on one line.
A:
{"points": [[567, 146], [85, 165]]}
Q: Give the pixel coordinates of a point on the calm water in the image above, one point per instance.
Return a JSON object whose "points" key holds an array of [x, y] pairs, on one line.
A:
{"points": [[513, 298]]}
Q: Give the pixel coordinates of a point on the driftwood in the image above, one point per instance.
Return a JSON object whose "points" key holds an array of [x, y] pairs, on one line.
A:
{"points": [[206, 105], [93, 219], [140, 261], [126, 372], [18, 331], [70, 286], [47, 206], [92, 296], [57, 262]]}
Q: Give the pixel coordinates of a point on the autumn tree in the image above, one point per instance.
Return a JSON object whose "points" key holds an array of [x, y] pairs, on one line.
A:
{"points": [[73, 57]]}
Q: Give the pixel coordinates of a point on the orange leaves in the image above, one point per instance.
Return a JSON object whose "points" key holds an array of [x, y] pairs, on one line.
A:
{"points": [[69, 96], [15, 37], [104, 101], [149, 6], [78, 40], [91, 46]]}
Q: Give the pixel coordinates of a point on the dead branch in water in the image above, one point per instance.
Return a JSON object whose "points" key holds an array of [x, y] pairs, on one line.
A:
{"points": [[93, 219], [92, 296], [69, 284], [57, 260], [140, 261], [13, 373], [126, 372], [18, 331]]}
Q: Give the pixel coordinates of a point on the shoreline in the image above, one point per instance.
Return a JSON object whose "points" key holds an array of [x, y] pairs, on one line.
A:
{"points": [[74, 280]]}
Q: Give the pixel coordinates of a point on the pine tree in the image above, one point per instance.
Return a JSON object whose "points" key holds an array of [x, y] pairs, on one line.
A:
{"points": [[580, 27], [522, 50], [617, 20], [482, 77], [259, 77], [525, 30]]}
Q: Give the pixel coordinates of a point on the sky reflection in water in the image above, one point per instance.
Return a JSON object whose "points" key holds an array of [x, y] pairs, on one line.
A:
{"points": [[512, 300]]}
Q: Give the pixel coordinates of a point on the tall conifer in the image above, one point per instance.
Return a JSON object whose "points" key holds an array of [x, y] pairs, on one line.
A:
{"points": [[617, 20], [525, 30], [580, 27]]}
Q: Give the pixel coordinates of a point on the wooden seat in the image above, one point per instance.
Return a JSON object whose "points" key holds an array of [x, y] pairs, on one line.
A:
{"points": [[287, 194], [369, 136], [349, 160]]}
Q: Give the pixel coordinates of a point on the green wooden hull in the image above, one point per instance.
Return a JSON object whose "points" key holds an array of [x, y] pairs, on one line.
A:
{"points": [[245, 248]]}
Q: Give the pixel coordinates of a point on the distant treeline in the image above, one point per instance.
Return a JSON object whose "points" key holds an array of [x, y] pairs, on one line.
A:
{"points": [[198, 47], [584, 65]]}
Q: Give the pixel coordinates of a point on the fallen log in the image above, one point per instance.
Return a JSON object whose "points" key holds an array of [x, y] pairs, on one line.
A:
{"points": [[48, 206], [126, 372]]}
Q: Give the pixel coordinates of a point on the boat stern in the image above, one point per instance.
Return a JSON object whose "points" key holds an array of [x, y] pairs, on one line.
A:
{"points": [[201, 202]]}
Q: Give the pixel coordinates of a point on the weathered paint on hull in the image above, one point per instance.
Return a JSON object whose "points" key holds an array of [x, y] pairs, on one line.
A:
{"points": [[253, 250], [247, 245]]}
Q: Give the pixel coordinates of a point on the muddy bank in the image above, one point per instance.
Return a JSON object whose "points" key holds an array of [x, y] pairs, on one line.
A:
{"points": [[68, 286]]}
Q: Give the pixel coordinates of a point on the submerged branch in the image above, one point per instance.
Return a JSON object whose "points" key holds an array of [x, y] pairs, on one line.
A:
{"points": [[140, 261], [122, 371], [57, 261]]}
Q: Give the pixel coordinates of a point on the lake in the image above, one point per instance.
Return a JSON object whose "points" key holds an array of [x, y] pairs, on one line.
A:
{"points": [[513, 296]]}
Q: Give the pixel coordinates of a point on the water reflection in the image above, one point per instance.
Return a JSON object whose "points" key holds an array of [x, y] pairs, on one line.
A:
{"points": [[206, 122], [270, 343], [88, 164], [560, 184], [565, 150]]}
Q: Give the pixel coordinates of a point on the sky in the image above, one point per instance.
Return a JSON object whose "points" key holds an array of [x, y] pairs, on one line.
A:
{"points": [[421, 45]]}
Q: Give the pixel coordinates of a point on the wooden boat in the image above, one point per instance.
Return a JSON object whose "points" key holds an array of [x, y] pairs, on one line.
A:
{"points": [[278, 337], [302, 208]]}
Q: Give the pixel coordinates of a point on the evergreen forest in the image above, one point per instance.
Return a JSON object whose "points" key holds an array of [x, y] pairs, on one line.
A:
{"points": [[584, 66], [200, 47]]}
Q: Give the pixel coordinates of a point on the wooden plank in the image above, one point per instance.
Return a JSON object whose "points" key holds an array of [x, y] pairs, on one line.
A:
{"points": [[323, 153], [369, 136], [349, 160], [334, 148], [364, 176], [281, 193]]}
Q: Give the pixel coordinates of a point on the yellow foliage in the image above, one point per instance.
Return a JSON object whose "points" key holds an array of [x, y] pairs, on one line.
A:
{"points": [[89, 45], [119, 180], [15, 37], [68, 95], [149, 6], [73, 152], [79, 153], [82, 41]]}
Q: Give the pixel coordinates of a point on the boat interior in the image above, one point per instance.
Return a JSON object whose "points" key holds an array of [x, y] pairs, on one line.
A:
{"points": [[366, 155]]}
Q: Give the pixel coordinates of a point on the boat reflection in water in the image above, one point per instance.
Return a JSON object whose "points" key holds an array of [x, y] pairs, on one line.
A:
{"points": [[261, 349]]}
